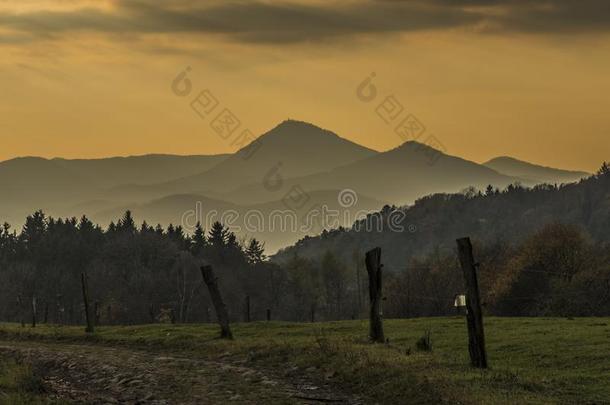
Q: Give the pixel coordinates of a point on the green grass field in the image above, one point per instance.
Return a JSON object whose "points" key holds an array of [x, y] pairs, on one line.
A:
{"points": [[532, 360], [19, 385]]}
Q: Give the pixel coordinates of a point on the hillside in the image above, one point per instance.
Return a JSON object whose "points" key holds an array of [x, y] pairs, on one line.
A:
{"points": [[145, 169], [57, 185], [434, 222], [533, 173], [66, 174]]}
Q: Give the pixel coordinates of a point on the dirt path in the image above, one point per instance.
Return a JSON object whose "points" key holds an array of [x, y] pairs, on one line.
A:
{"points": [[93, 374]]}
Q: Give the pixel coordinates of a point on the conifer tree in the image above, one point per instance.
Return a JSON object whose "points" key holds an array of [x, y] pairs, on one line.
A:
{"points": [[218, 235], [255, 252], [198, 241]]}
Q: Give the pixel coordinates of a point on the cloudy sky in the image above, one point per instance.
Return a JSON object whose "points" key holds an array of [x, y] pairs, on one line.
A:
{"points": [[92, 78]]}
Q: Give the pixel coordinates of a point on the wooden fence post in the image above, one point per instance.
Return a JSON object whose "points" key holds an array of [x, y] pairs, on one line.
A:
{"points": [[96, 313], [172, 316], [247, 310], [268, 314], [20, 311], [71, 314], [221, 310], [89, 328], [46, 312], [109, 314], [151, 312], [59, 310], [474, 316], [373, 267], [34, 312]]}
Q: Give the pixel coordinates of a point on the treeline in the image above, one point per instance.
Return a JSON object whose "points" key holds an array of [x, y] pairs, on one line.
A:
{"points": [[143, 274], [147, 275], [557, 271]]}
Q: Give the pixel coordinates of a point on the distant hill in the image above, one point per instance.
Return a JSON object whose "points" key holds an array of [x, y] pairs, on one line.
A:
{"points": [[146, 169], [294, 148], [434, 222], [31, 183], [533, 173], [400, 175], [58, 173]]}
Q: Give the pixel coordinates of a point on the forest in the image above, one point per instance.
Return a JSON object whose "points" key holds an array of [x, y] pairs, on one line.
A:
{"points": [[143, 274]]}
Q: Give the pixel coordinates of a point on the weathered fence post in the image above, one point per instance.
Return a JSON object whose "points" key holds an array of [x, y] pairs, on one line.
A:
{"points": [[373, 267], [71, 314], [89, 328], [59, 311], [108, 314], [20, 311], [151, 312], [221, 310], [33, 312], [474, 315], [96, 313], [247, 309], [172, 316], [268, 314], [45, 320], [313, 313]]}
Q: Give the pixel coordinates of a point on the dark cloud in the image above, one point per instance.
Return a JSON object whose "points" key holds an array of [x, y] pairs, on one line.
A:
{"points": [[543, 16], [281, 22], [246, 21], [559, 16]]}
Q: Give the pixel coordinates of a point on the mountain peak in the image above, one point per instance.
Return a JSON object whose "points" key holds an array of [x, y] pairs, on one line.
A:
{"points": [[297, 148], [289, 122], [414, 146], [298, 129], [298, 137]]}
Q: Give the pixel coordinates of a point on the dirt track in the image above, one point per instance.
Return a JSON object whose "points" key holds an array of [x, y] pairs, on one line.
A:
{"points": [[91, 374]]}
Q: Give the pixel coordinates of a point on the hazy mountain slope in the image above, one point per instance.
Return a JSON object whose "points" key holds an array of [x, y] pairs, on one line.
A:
{"points": [[34, 173], [31, 183], [400, 176], [145, 169], [28, 184], [294, 148], [532, 172], [435, 222], [174, 209], [277, 223]]}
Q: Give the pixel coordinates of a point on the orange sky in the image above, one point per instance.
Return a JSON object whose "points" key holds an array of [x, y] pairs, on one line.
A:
{"points": [[93, 78]]}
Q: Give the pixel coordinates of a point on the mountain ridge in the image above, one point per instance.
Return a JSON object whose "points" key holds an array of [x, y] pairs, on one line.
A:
{"points": [[294, 157], [273, 150], [386, 174], [534, 172]]}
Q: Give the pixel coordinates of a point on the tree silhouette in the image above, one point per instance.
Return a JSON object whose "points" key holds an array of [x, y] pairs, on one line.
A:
{"points": [[255, 252]]}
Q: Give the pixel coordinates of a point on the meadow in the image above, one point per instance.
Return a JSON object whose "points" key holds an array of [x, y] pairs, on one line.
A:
{"points": [[532, 360]]}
